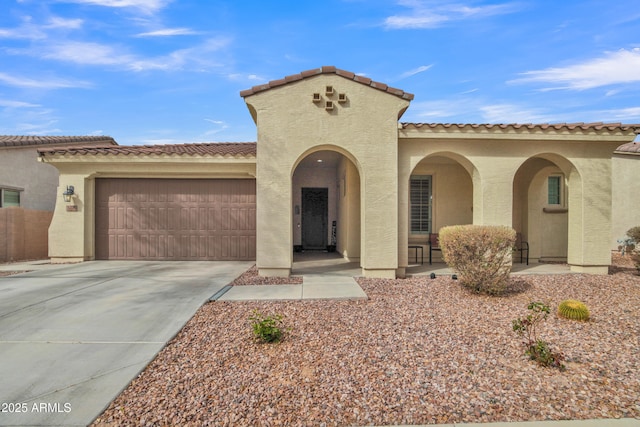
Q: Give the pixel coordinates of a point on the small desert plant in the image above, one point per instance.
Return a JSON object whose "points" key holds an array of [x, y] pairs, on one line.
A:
{"points": [[634, 234], [481, 255], [627, 245], [536, 348], [266, 328], [574, 310]]}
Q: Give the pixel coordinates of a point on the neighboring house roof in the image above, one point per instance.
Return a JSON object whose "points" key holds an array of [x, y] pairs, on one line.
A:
{"points": [[327, 70], [198, 149], [541, 126], [15, 141], [632, 148]]}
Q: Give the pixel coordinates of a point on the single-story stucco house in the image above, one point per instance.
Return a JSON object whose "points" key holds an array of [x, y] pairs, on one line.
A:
{"points": [[28, 192], [333, 166]]}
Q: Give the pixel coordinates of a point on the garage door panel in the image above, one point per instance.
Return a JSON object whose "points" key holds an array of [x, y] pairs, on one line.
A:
{"points": [[175, 219]]}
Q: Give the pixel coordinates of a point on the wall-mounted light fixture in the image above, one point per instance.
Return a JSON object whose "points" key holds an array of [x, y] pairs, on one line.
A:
{"points": [[70, 191]]}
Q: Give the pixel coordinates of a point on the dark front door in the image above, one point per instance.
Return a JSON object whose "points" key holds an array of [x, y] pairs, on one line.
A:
{"points": [[314, 218]]}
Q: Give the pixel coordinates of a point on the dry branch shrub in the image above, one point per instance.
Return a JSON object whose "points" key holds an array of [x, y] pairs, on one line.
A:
{"points": [[481, 255]]}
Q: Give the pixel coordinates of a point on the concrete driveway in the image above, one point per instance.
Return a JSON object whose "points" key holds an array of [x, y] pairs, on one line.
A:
{"points": [[72, 337]]}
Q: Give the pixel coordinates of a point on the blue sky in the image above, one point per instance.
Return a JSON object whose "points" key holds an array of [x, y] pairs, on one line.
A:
{"points": [[170, 71]]}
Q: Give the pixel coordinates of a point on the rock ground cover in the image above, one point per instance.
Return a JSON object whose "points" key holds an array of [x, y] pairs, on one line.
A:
{"points": [[418, 351]]}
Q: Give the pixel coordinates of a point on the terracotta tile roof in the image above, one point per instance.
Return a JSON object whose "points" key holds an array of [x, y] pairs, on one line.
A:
{"points": [[327, 70], [31, 140], [629, 148], [199, 149], [541, 126]]}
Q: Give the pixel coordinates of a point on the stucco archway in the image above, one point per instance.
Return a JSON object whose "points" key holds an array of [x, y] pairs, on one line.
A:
{"points": [[440, 192], [326, 202], [547, 201]]}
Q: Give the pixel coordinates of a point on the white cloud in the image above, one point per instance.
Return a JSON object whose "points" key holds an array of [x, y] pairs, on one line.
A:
{"points": [[613, 68], [7, 103], [473, 110], [196, 58], [41, 83], [29, 30], [147, 6], [415, 71], [215, 122], [58, 22], [511, 113], [221, 126], [166, 32], [246, 77], [85, 53], [623, 114], [433, 13]]}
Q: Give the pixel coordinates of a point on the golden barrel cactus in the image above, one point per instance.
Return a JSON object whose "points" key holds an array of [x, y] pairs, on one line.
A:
{"points": [[574, 310]]}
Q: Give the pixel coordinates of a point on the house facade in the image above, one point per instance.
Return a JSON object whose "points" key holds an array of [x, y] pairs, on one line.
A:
{"points": [[28, 192], [333, 167]]}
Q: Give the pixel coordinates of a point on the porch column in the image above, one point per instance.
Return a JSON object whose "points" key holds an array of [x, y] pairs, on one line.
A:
{"points": [[71, 229], [403, 222], [274, 243], [379, 257], [590, 216], [493, 192]]}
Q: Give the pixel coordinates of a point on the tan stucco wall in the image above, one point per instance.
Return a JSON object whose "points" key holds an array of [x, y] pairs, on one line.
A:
{"points": [[364, 129], [547, 231], [72, 233], [625, 195], [348, 232]]}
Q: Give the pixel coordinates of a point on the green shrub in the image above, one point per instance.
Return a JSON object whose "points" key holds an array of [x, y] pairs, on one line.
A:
{"points": [[536, 348], [481, 255], [634, 233], [574, 310], [266, 328]]}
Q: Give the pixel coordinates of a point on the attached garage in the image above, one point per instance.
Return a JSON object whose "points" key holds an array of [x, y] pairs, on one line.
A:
{"points": [[175, 219]]}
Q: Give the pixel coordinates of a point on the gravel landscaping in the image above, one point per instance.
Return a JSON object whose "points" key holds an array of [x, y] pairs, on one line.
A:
{"points": [[418, 351]]}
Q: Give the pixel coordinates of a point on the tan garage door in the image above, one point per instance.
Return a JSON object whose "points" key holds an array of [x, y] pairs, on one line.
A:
{"points": [[176, 219]]}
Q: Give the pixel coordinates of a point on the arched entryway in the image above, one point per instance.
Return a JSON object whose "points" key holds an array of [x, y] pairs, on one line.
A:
{"points": [[542, 205], [441, 188], [326, 204]]}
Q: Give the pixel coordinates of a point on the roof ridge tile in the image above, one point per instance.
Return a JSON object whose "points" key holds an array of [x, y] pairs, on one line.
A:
{"points": [[327, 69]]}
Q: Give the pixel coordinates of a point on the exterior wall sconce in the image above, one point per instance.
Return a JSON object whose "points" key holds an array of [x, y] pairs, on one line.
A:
{"points": [[70, 191]]}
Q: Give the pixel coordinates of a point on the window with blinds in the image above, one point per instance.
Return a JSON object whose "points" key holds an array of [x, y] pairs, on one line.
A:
{"points": [[420, 200]]}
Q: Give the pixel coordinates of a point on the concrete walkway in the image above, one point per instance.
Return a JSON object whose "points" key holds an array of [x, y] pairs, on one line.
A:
{"points": [[324, 276], [328, 276]]}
